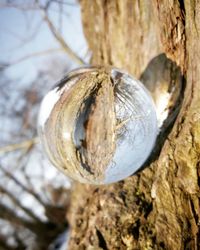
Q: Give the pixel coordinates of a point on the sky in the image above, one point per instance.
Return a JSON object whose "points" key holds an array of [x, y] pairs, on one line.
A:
{"points": [[18, 38], [24, 33]]}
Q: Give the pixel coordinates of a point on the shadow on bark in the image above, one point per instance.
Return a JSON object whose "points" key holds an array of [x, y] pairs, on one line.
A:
{"points": [[163, 77]]}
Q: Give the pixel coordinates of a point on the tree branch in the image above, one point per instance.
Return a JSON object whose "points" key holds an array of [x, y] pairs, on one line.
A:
{"points": [[8, 215], [26, 57], [28, 190], [60, 39], [21, 145], [16, 202]]}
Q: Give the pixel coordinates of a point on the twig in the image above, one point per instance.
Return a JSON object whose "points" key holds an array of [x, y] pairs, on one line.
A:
{"points": [[21, 145], [12, 217], [16, 202], [123, 123], [66, 3], [9, 215], [23, 187], [18, 6], [36, 54], [5, 245], [60, 39]]}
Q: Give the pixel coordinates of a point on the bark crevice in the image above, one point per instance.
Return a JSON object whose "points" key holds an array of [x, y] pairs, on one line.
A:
{"points": [[158, 207]]}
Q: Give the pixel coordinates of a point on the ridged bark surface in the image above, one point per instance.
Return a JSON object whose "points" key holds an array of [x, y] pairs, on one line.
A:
{"points": [[159, 207]]}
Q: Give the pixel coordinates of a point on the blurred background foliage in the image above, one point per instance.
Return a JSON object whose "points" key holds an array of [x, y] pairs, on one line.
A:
{"points": [[41, 40]]}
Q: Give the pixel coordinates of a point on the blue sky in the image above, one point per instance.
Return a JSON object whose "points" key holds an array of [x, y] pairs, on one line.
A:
{"points": [[18, 37]]}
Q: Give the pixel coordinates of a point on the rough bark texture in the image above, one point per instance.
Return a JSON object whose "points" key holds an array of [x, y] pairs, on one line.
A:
{"points": [[159, 207]]}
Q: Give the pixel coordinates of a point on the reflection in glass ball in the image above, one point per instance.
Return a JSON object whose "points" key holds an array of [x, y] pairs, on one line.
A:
{"points": [[98, 125]]}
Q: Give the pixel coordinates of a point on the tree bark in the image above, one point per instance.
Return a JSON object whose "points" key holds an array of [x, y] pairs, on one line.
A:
{"points": [[158, 207]]}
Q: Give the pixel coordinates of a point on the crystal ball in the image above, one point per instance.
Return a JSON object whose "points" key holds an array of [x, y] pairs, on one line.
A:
{"points": [[98, 125]]}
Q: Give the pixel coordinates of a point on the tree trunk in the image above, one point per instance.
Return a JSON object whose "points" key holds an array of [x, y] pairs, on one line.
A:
{"points": [[158, 207]]}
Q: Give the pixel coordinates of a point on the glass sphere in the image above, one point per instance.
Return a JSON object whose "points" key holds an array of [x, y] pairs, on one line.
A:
{"points": [[98, 125]]}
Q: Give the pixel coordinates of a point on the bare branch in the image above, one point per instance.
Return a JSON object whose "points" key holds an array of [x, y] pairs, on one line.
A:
{"points": [[26, 189], [35, 54], [65, 3], [9, 215], [27, 7], [22, 145], [5, 246], [60, 39], [17, 203]]}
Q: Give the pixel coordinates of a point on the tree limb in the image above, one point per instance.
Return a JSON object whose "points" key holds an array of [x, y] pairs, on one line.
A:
{"points": [[26, 189], [22, 145], [60, 39], [16, 202], [26, 57]]}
